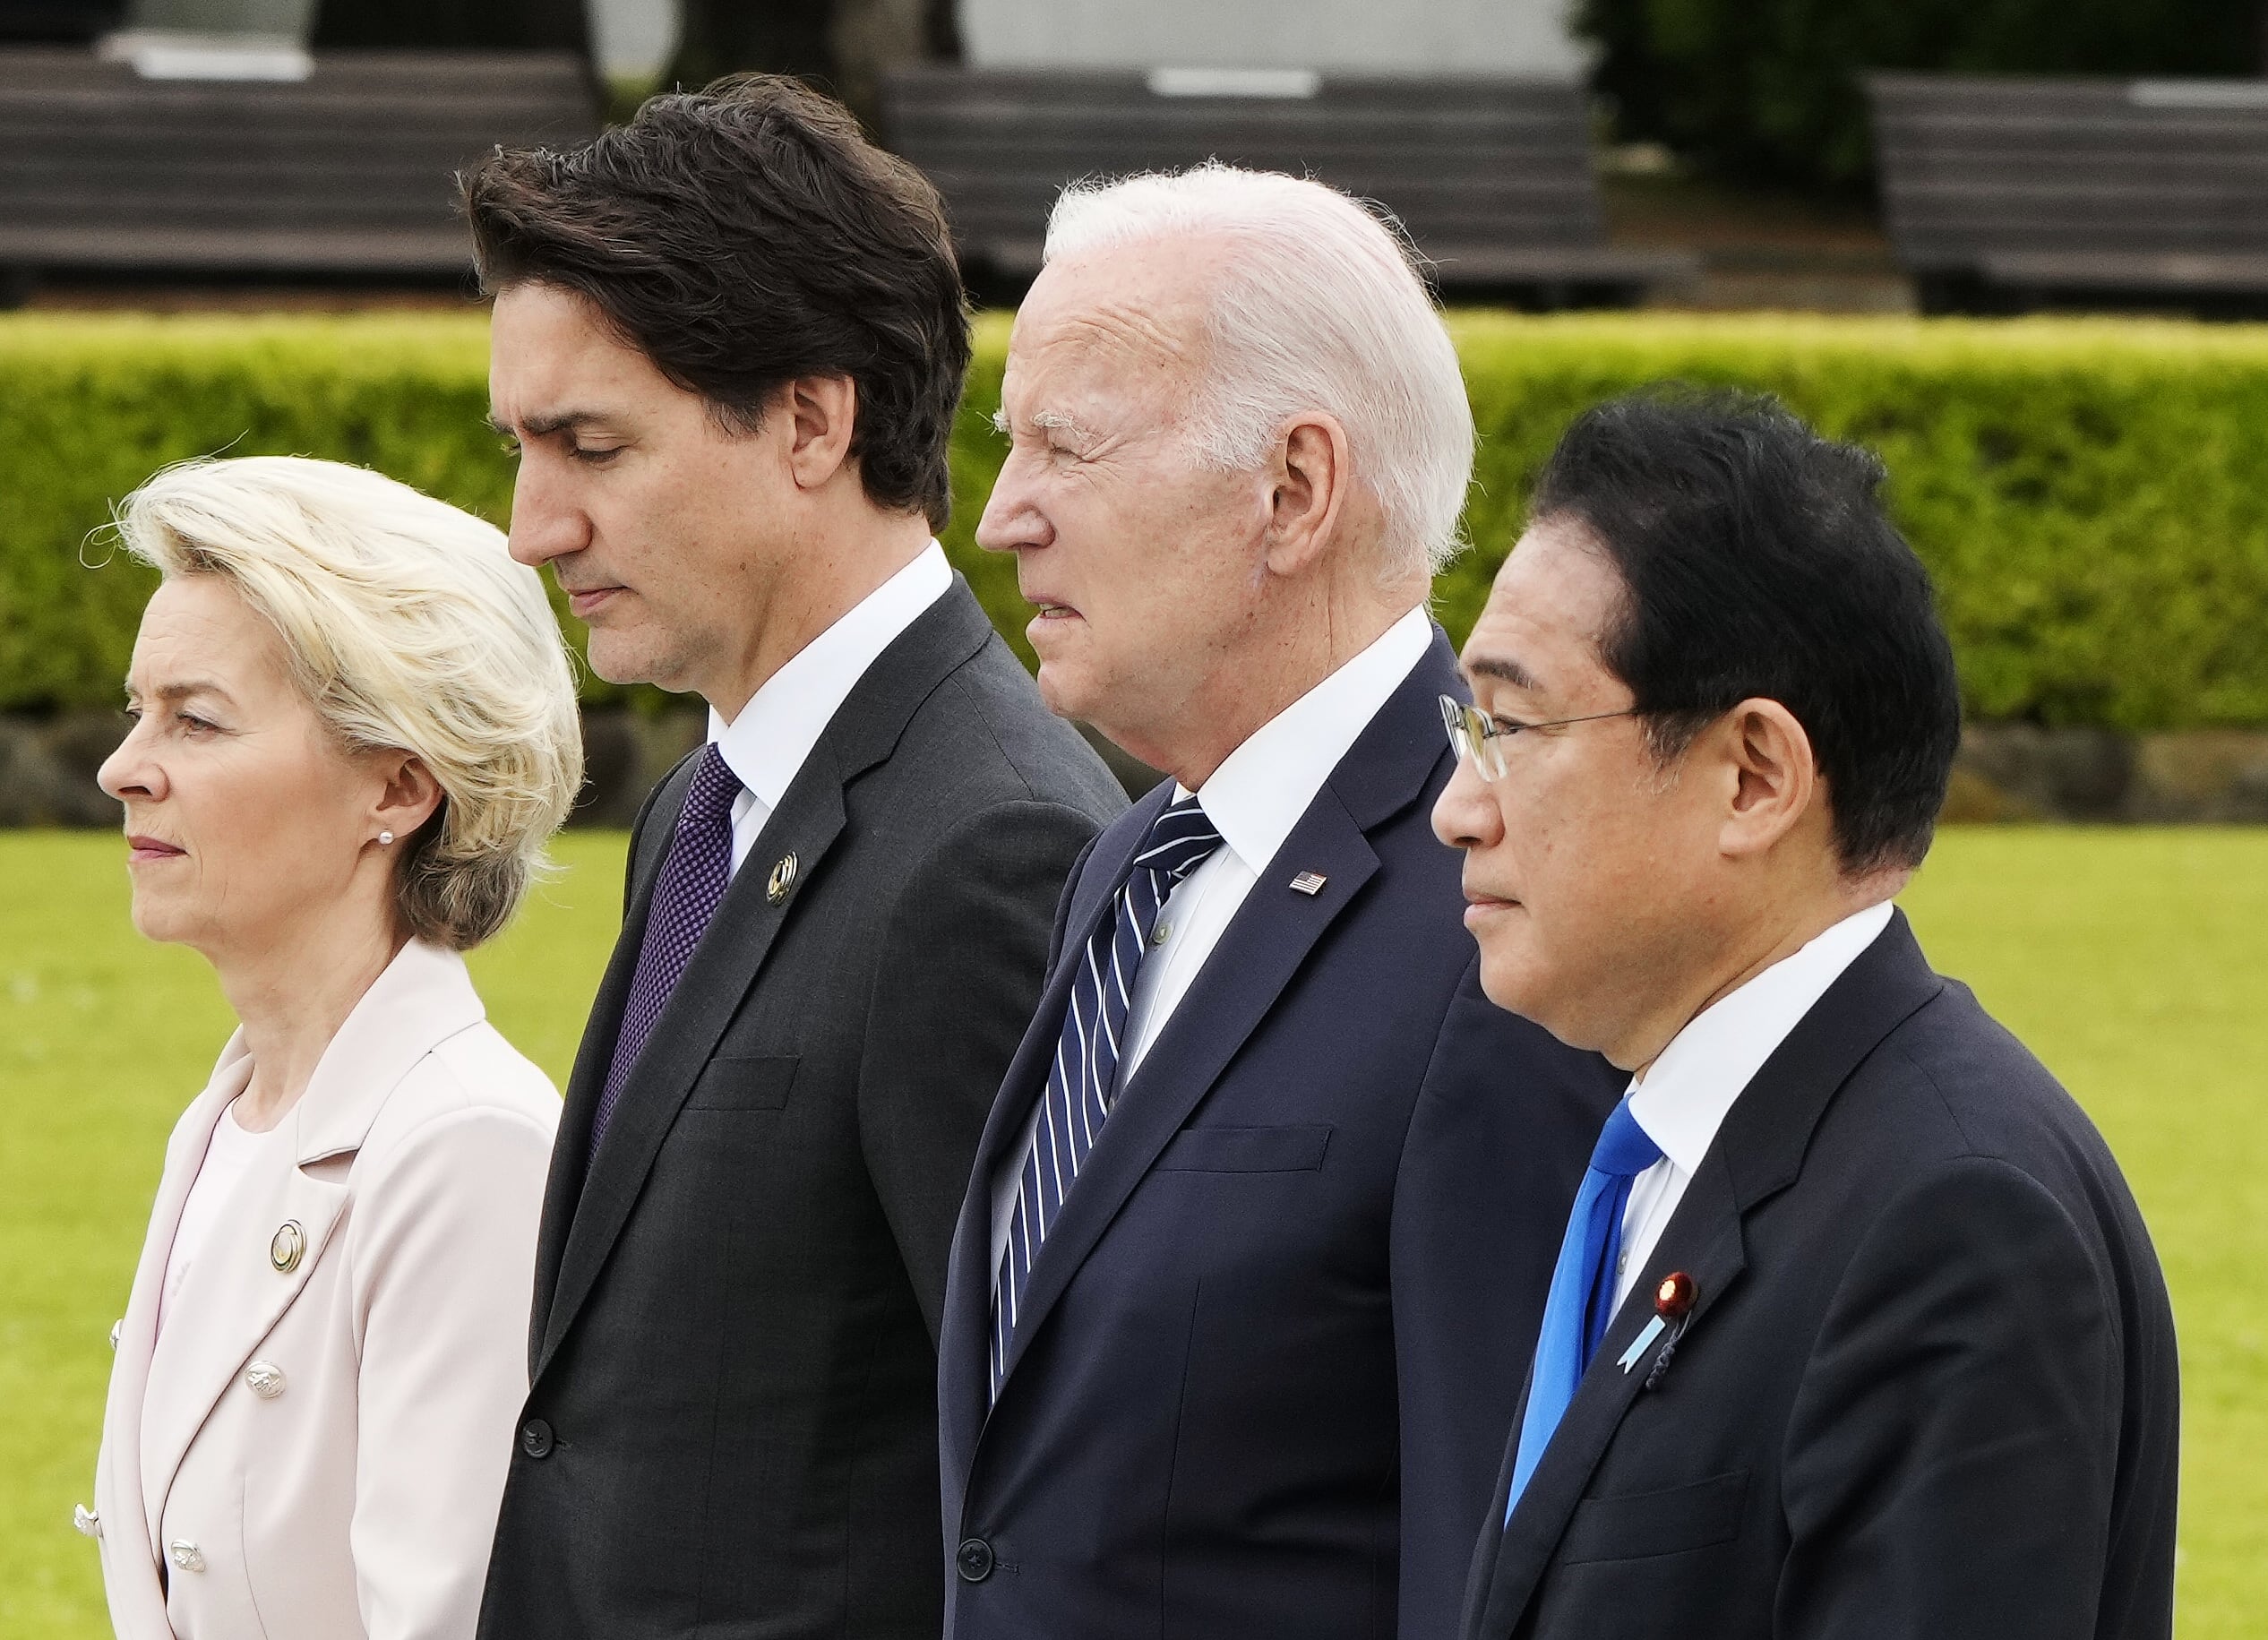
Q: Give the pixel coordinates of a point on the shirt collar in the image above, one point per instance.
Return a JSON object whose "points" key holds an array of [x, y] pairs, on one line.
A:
{"points": [[766, 745], [1261, 788], [1693, 1084]]}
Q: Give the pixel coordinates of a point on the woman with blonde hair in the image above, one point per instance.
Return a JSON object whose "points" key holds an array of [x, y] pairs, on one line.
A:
{"points": [[353, 731]]}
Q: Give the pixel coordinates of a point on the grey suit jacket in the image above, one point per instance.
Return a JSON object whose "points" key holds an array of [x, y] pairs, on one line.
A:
{"points": [[732, 1426]]}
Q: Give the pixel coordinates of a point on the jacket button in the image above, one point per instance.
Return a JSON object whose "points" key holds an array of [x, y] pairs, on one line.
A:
{"points": [[973, 1559], [186, 1556], [535, 1438], [88, 1523]]}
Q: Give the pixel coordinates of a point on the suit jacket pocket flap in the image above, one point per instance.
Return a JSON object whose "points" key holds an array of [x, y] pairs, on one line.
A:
{"points": [[738, 1082], [1640, 1524], [1297, 1149]]}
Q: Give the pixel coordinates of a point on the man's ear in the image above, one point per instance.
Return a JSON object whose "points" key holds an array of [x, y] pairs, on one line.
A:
{"points": [[1771, 779], [820, 413], [1307, 491]]}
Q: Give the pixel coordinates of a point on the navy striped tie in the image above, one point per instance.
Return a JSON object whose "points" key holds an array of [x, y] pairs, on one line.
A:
{"points": [[1082, 1084]]}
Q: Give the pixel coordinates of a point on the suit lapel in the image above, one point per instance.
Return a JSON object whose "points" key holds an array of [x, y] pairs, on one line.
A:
{"points": [[1757, 1153], [963, 1372], [570, 1151], [723, 968], [234, 1294], [1704, 1239], [127, 1406], [585, 1219], [1389, 767], [230, 1300], [1263, 947]]}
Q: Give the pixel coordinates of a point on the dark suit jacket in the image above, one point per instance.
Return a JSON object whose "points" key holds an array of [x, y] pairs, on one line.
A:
{"points": [[732, 1428], [1263, 1361], [1928, 1388]]}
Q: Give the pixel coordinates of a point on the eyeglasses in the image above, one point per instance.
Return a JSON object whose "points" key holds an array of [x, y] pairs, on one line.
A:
{"points": [[1473, 733]]}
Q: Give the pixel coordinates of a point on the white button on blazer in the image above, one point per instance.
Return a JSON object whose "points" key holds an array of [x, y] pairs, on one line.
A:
{"points": [[316, 1447]]}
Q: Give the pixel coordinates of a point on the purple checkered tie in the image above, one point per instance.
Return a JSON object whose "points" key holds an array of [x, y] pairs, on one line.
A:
{"points": [[1082, 1084], [694, 877]]}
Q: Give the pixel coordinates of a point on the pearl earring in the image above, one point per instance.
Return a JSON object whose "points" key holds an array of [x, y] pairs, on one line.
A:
{"points": [[385, 839]]}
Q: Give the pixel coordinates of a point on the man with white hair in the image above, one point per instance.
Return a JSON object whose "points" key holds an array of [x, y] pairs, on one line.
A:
{"points": [[1270, 1194]]}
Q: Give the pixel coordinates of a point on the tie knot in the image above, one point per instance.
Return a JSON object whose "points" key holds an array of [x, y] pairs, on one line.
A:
{"points": [[1179, 840], [708, 799], [1623, 1149]]}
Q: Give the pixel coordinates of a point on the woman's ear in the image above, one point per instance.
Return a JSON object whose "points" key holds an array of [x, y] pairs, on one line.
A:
{"points": [[408, 798]]}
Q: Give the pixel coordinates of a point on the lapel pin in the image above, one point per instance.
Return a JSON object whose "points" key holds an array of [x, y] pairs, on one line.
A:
{"points": [[780, 881], [287, 1247], [1309, 883], [1672, 1302]]}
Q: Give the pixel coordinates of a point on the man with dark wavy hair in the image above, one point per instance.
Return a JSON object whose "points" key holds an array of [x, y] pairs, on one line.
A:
{"points": [[728, 341]]}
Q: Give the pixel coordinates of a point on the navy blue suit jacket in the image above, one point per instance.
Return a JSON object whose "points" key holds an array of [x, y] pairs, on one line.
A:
{"points": [[1929, 1387], [1271, 1347]]}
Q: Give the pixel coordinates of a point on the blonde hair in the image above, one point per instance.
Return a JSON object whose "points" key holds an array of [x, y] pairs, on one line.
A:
{"points": [[410, 629]]}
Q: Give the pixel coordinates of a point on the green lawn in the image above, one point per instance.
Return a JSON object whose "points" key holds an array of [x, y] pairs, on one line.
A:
{"points": [[2134, 962]]}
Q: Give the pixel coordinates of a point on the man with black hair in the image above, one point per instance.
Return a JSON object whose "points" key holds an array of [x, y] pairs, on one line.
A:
{"points": [[728, 341], [1855, 1328]]}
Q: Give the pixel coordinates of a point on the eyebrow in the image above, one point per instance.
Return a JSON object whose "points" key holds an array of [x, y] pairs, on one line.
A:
{"points": [[543, 426], [1047, 421], [182, 690], [1502, 668]]}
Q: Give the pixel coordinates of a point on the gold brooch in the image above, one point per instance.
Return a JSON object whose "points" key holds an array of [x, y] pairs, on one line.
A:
{"points": [[287, 1247]]}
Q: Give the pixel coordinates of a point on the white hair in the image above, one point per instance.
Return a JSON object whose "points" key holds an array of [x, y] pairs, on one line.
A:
{"points": [[410, 628], [1320, 306]]}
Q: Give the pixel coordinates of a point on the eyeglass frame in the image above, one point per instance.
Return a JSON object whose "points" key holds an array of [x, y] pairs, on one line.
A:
{"points": [[1471, 731]]}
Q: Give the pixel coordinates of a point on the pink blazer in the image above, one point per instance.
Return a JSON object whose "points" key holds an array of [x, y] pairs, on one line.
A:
{"points": [[315, 1446]]}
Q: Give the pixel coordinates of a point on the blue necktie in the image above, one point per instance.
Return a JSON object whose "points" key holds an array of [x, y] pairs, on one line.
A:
{"points": [[1582, 1300], [1082, 1084], [694, 875]]}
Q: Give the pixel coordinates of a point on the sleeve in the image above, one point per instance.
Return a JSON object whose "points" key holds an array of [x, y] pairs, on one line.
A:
{"points": [[445, 1251], [1952, 1447], [1501, 1129], [961, 967]]}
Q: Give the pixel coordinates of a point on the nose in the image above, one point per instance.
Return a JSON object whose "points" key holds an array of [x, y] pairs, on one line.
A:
{"points": [[1466, 815], [1012, 517], [546, 524], [130, 771]]}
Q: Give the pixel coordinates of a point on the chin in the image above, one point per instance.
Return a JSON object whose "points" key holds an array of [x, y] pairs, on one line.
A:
{"points": [[1067, 690], [158, 921], [1513, 982], [620, 659]]}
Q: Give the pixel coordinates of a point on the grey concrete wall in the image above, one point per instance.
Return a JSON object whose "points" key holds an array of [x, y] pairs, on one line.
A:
{"points": [[1417, 36]]}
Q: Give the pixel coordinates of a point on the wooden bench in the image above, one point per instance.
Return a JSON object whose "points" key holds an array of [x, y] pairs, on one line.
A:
{"points": [[1491, 177], [2008, 194], [346, 174]]}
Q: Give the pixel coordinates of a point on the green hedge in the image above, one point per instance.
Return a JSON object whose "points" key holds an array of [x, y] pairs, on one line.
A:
{"points": [[2092, 497]]}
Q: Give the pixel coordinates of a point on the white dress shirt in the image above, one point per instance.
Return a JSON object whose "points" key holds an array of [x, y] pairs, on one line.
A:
{"points": [[1253, 799], [766, 745], [1686, 1094]]}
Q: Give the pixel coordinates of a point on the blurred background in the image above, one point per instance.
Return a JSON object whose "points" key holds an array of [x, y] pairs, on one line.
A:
{"points": [[2018, 247]]}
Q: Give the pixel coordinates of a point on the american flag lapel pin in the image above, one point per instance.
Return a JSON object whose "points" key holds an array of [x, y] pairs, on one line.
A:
{"points": [[1308, 883]]}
